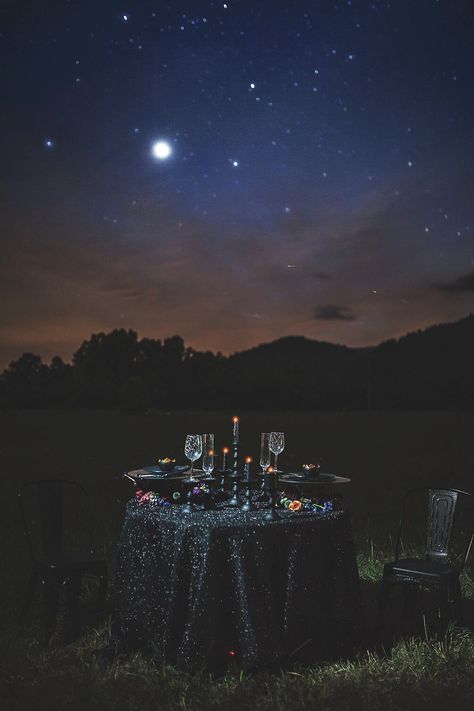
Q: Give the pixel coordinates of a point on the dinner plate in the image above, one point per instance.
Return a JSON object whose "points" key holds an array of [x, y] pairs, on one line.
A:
{"points": [[303, 477], [153, 472]]}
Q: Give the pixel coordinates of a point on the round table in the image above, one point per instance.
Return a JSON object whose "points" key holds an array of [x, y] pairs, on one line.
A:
{"points": [[201, 589], [305, 487]]}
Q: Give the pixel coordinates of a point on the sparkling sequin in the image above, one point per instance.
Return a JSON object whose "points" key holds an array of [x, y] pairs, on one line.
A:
{"points": [[193, 588]]}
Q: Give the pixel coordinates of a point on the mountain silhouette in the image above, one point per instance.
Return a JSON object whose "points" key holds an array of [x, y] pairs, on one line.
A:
{"points": [[426, 369]]}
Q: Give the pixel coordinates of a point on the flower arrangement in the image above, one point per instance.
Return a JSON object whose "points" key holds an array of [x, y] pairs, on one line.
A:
{"points": [[295, 505], [151, 497], [201, 488]]}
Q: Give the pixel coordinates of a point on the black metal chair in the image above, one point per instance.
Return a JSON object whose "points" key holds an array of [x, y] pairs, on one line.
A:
{"points": [[57, 522], [437, 570]]}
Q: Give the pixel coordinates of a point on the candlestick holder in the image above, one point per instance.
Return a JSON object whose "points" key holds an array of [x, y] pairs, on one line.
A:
{"points": [[236, 481], [189, 506], [235, 459], [248, 504], [223, 474], [264, 495], [270, 484], [235, 476]]}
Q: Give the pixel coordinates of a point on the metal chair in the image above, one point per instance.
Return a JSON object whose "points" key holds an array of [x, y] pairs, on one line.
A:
{"points": [[57, 522], [437, 570]]}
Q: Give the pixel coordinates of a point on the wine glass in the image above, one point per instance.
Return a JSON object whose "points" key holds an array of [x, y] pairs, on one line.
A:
{"points": [[193, 450], [277, 445], [265, 450]]}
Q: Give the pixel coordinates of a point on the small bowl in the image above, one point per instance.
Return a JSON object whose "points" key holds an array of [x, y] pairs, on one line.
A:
{"points": [[311, 469], [167, 466]]}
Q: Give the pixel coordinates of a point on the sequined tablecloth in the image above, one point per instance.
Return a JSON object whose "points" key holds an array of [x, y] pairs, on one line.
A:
{"points": [[196, 590]]}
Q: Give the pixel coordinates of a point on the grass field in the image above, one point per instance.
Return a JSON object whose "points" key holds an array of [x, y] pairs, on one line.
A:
{"points": [[383, 453]]}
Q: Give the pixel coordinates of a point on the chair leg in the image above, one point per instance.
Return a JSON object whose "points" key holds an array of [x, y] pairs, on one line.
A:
{"points": [[382, 605], [29, 593], [51, 588], [410, 602], [456, 596], [102, 593], [73, 589], [445, 606]]}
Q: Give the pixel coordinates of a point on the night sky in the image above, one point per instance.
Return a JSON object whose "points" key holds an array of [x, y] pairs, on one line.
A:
{"points": [[320, 178]]}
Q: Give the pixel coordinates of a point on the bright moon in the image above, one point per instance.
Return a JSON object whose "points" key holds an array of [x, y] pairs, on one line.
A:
{"points": [[161, 150]]}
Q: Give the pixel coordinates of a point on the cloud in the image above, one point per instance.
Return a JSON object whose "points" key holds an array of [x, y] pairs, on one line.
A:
{"points": [[459, 285], [333, 312]]}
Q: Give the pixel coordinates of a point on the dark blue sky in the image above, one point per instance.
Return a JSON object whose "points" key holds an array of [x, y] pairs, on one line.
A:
{"points": [[320, 180]]}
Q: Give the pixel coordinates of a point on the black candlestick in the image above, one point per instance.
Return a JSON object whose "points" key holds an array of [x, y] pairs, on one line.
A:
{"points": [[189, 506], [223, 473], [270, 483], [247, 506], [265, 487], [234, 499], [235, 459]]}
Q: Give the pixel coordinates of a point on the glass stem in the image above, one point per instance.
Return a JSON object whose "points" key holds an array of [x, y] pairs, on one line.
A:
{"points": [[276, 462]]}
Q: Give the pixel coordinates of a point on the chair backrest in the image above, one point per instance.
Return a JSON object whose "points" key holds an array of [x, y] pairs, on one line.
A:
{"points": [[56, 518], [443, 510]]}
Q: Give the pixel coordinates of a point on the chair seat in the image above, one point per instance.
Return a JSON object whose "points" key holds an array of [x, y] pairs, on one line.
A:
{"points": [[420, 569], [73, 564]]}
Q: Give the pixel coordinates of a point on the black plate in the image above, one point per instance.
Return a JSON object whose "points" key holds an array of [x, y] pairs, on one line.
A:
{"points": [[303, 477], [154, 471]]}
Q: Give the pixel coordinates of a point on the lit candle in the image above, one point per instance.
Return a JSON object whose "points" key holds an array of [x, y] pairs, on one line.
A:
{"points": [[235, 421], [247, 468], [225, 452]]}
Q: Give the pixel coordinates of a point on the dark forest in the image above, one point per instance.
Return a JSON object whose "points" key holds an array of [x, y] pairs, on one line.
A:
{"points": [[425, 370]]}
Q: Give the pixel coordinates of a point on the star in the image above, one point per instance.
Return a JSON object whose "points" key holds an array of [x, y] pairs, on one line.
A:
{"points": [[49, 143], [161, 150], [235, 163]]}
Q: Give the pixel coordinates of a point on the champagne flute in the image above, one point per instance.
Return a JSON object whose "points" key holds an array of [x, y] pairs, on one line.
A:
{"points": [[207, 448], [208, 462], [277, 445], [207, 442], [193, 450], [265, 451]]}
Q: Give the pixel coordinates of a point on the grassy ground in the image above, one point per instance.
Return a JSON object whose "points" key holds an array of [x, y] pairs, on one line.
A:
{"points": [[383, 453]]}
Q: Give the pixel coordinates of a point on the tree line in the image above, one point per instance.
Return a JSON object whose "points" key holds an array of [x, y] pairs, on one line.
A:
{"points": [[430, 369]]}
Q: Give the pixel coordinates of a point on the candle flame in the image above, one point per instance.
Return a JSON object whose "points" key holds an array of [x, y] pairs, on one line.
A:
{"points": [[235, 419], [248, 460], [270, 470], [225, 450], [211, 452]]}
